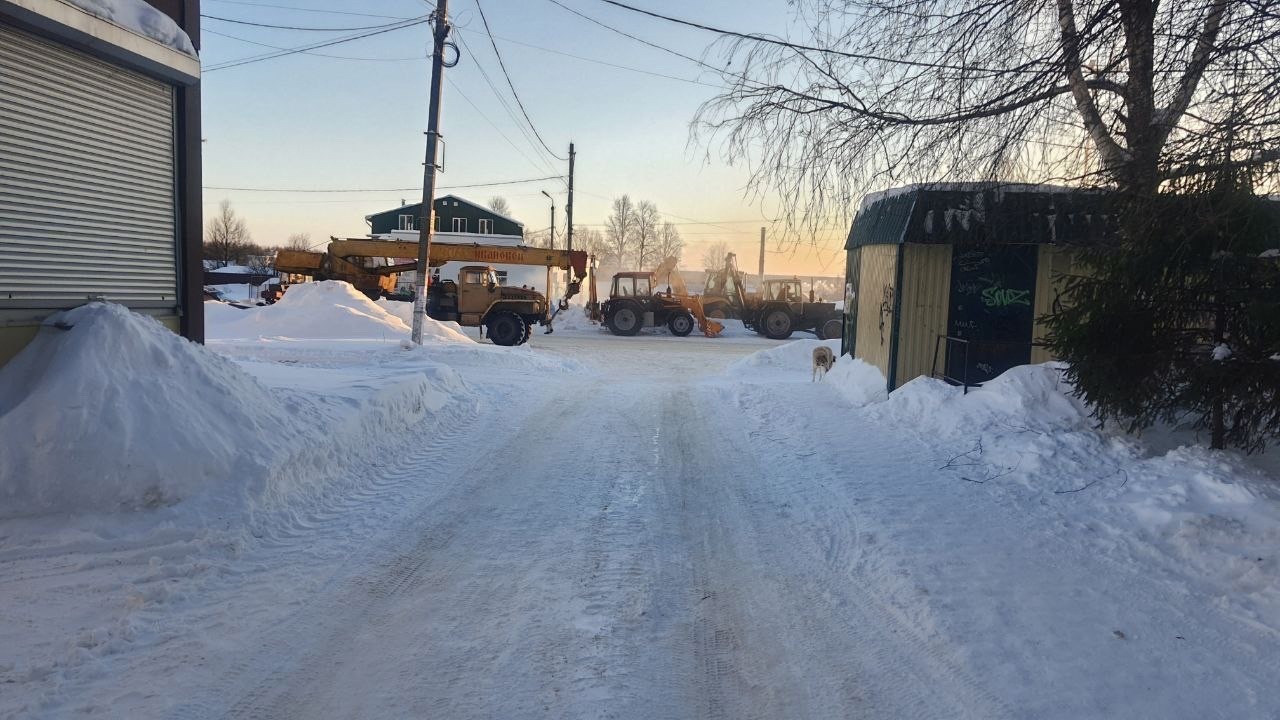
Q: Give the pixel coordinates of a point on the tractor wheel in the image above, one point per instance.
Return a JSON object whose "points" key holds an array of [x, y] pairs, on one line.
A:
{"points": [[507, 328], [717, 312], [830, 330], [626, 319], [680, 324], [776, 324], [528, 330]]}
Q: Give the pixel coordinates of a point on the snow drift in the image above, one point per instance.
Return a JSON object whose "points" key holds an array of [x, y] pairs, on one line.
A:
{"points": [[795, 355], [109, 411], [328, 310]]}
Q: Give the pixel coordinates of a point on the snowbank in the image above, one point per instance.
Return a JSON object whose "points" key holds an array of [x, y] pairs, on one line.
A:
{"points": [[109, 411], [139, 17], [328, 310], [440, 330], [796, 355], [859, 382]]}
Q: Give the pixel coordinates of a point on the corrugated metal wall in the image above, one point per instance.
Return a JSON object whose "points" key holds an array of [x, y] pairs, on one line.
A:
{"points": [[1053, 264], [878, 267], [87, 185], [926, 292]]}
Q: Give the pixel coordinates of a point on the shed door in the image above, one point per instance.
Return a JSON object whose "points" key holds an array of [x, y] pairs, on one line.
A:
{"points": [[991, 310], [87, 190]]}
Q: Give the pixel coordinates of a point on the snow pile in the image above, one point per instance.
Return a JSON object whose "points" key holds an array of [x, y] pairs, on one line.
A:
{"points": [[140, 18], [438, 329], [575, 319], [796, 356], [107, 410], [859, 382], [328, 310]]}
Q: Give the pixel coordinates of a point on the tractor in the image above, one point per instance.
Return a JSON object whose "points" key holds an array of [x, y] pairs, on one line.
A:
{"points": [[633, 305], [778, 310]]}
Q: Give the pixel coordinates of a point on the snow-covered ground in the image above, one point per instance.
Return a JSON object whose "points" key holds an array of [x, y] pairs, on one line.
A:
{"points": [[592, 526]]}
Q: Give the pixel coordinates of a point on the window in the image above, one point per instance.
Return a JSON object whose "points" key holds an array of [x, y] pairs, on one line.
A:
{"points": [[406, 222], [435, 223], [622, 287], [642, 287], [474, 277], [486, 227], [460, 225], [502, 277]]}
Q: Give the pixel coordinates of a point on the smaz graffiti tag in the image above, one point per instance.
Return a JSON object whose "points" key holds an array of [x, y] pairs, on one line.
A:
{"points": [[1005, 297]]}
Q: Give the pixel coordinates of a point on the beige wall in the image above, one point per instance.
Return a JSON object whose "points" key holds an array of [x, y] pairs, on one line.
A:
{"points": [[926, 294], [1051, 265], [13, 338], [877, 273]]}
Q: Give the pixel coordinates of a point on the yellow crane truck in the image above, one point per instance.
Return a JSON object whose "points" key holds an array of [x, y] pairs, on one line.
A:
{"points": [[474, 299]]}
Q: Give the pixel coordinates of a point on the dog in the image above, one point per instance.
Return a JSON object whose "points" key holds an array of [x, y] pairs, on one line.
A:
{"points": [[823, 359]]}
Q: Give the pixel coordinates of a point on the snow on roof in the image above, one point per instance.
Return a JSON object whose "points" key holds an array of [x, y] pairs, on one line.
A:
{"points": [[875, 197], [139, 18]]}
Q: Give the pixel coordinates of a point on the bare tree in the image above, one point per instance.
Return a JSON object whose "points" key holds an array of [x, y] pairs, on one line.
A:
{"points": [[226, 236], [1127, 93], [619, 231], [298, 241], [670, 244], [713, 256], [538, 238], [647, 222], [498, 204], [591, 240]]}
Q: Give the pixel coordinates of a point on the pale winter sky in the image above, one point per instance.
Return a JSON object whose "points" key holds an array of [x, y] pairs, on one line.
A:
{"points": [[356, 121]]}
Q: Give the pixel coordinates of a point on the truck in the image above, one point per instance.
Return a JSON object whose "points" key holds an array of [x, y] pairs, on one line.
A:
{"points": [[474, 299]]}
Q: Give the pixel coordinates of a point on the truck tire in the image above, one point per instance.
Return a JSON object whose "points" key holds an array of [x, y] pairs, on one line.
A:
{"points": [[830, 330], [506, 328], [776, 323], [680, 324], [625, 319]]}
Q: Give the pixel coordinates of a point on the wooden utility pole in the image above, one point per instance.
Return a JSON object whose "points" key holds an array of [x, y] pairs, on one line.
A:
{"points": [[568, 208], [762, 260], [426, 218]]}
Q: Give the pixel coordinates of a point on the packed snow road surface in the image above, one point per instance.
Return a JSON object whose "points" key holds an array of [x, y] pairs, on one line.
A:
{"points": [[655, 527]]}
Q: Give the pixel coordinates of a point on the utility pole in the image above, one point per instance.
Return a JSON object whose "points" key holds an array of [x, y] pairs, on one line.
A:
{"points": [[553, 218], [440, 34], [568, 208], [762, 259]]}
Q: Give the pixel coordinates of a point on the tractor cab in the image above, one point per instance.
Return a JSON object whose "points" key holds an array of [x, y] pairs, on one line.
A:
{"points": [[632, 285], [787, 291]]}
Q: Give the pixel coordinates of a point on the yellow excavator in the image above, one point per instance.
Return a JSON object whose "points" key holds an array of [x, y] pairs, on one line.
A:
{"points": [[474, 299]]}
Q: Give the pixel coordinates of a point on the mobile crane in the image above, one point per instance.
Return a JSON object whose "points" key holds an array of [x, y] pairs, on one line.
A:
{"points": [[474, 299]]}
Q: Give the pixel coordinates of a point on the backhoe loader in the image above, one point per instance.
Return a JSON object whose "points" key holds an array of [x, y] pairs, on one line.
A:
{"points": [[634, 303]]}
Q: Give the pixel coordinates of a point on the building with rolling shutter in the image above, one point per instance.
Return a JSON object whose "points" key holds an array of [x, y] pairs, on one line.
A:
{"points": [[99, 161]]}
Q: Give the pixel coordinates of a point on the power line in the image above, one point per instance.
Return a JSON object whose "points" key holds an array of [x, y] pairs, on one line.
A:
{"points": [[811, 48], [511, 85], [381, 190], [313, 54], [316, 46], [492, 124], [597, 61], [524, 130], [294, 27], [310, 10]]}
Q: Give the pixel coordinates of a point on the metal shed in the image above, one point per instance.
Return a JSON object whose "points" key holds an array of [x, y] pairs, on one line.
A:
{"points": [[951, 280]]}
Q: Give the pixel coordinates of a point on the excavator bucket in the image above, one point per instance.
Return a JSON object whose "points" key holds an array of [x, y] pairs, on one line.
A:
{"points": [[709, 327]]}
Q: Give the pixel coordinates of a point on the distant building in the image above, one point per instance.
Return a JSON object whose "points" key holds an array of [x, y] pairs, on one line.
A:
{"points": [[99, 161], [453, 215]]}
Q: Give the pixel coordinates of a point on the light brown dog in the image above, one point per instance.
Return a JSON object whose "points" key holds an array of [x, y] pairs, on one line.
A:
{"points": [[823, 359]]}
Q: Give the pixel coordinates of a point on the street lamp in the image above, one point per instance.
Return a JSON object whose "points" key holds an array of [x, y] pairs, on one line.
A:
{"points": [[553, 218]]}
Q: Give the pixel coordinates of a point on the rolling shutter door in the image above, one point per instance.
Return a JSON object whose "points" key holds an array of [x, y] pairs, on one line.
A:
{"points": [[87, 190]]}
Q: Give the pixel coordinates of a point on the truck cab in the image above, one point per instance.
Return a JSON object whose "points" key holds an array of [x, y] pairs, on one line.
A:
{"points": [[477, 299]]}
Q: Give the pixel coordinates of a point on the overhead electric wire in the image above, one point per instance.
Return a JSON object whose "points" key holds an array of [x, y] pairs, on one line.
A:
{"points": [[313, 54], [492, 124], [310, 10], [293, 27], [316, 46], [381, 190], [511, 85], [538, 151]]}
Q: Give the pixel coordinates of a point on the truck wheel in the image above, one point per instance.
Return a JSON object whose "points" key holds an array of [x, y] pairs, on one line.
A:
{"points": [[680, 324], [626, 320], [528, 330], [830, 330], [506, 328], [776, 324]]}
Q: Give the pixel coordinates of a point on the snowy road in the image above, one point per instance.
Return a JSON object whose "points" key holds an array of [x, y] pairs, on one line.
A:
{"points": [[652, 538]]}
